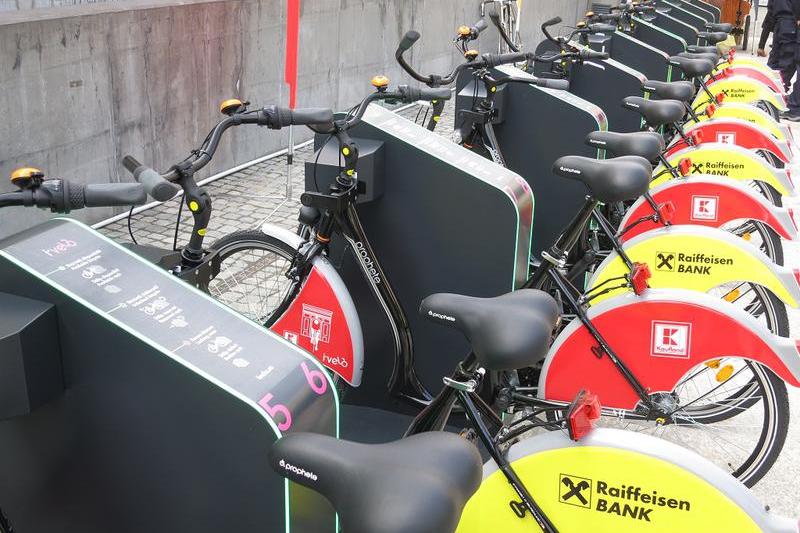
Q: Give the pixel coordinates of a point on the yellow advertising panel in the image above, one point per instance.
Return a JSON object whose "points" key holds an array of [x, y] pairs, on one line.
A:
{"points": [[692, 259], [740, 89], [725, 161], [748, 113], [604, 490]]}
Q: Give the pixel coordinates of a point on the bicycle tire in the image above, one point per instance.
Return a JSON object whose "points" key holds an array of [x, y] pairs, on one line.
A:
{"points": [[230, 287]]}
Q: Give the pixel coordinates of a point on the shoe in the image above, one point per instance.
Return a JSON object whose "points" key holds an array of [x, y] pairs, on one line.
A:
{"points": [[791, 116]]}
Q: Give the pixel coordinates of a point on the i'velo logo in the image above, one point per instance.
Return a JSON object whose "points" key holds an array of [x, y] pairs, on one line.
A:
{"points": [[670, 339], [704, 207]]}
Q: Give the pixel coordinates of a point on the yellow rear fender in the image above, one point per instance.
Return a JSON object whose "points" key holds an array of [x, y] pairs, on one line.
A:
{"points": [[751, 114], [741, 89], [729, 160], [698, 258], [613, 481]]}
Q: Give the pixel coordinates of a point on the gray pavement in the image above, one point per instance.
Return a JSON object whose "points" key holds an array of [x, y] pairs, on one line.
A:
{"points": [[244, 199]]}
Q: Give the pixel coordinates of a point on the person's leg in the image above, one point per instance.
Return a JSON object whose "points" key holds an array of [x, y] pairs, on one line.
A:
{"points": [[793, 102]]}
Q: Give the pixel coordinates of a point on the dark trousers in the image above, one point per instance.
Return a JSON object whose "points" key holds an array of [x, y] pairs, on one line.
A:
{"points": [[785, 56]]}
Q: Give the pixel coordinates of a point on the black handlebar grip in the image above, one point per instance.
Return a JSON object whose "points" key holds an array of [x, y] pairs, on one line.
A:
{"points": [[73, 196], [412, 94], [310, 115], [552, 22], [479, 26], [602, 28], [114, 194], [494, 60], [408, 40], [588, 53], [156, 186], [561, 85]]}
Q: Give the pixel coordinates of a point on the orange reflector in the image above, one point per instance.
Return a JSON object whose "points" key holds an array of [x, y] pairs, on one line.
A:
{"points": [[747, 236], [714, 363], [732, 296], [725, 373]]}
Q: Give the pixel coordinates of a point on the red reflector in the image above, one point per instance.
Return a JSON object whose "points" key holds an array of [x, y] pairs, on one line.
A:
{"points": [[696, 137], [684, 166], [583, 412], [666, 212], [710, 110], [640, 273], [731, 54], [719, 98]]}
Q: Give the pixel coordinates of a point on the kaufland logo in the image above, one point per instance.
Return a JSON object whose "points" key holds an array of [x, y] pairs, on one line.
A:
{"points": [[705, 207], [670, 339], [726, 137]]}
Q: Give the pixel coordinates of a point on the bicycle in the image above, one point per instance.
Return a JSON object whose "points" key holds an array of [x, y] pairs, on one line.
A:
{"points": [[433, 479]]}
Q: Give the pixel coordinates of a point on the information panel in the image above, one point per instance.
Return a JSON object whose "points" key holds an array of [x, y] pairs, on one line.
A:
{"points": [[115, 310]]}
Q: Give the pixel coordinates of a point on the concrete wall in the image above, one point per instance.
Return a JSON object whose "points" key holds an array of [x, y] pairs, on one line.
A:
{"points": [[82, 86]]}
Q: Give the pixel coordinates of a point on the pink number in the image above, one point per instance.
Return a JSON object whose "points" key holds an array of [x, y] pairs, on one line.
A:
{"points": [[273, 410], [316, 379]]}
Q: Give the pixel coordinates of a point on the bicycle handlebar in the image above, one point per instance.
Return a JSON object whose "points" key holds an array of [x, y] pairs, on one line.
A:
{"points": [[157, 187], [546, 24], [62, 196]]}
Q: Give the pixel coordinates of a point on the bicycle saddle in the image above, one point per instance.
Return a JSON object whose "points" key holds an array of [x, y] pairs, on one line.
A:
{"points": [[505, 332], [724, 27], [702, 49], [419, 484], [610, 180], [656, 112], [672, 90], [700, 55], [646, 144], [712, 37], [691, 67]]}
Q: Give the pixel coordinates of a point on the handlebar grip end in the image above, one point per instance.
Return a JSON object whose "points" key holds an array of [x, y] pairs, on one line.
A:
{"points": [[130, 163], [408, 40]]}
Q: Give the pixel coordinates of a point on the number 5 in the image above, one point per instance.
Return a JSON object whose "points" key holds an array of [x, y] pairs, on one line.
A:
{"points": [[273, 410]]}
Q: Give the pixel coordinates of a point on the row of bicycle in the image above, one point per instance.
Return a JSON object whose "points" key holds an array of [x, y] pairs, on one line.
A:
{"points": [[629, 303]]}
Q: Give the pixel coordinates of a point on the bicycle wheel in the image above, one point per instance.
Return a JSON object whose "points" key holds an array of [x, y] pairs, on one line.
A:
{"points": [[252, 276], [746, 445]]}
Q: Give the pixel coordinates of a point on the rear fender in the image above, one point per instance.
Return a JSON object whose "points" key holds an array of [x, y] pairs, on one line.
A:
{"points": [[698, 258], [752, 114], [734, 131], [758, 75], [322, 319], [731, 161], [751, 62], [660, 335], [709, 201], [740, 89], [616, 473]]}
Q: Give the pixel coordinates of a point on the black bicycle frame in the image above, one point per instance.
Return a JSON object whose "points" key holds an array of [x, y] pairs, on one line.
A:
{"points": [[461, 389], [556, 256]]}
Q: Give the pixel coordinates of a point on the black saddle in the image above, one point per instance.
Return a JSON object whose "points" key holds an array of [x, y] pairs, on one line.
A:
{"points": [[672, 90], [713, 37], [506, 332], [419, 484], [693, 68], [713, 57], [656, 112], [696, 48], [610, 180], [646, 144], [724, 27]]}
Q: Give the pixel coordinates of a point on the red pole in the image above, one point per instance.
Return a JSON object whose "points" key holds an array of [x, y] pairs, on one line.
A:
{"points": [[292, 44]]}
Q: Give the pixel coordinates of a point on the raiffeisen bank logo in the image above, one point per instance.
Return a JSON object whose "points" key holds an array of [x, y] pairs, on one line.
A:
{"points": [[671, 339]]}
